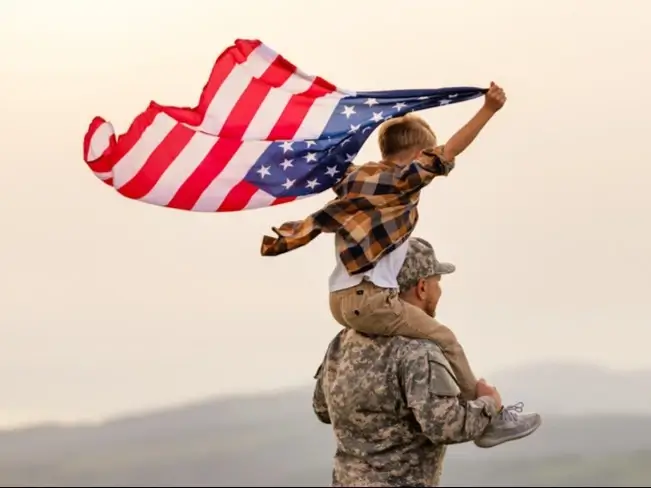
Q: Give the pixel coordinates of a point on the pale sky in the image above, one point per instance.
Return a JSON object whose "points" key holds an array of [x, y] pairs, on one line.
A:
{"points": [[108, 305]]}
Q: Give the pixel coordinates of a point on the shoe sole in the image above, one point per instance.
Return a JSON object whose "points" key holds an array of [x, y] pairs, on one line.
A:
{"points": [[496, 442]]}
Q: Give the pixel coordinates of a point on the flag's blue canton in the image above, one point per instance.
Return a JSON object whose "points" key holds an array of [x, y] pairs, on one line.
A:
{"points": [[304, 167]]}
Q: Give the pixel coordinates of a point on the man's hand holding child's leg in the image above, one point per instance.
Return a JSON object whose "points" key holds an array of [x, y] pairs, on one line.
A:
{"points": [[510, 424]]}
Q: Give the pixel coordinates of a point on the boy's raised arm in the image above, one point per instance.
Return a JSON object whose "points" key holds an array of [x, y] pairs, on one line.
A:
{"points": [[494, 101]]}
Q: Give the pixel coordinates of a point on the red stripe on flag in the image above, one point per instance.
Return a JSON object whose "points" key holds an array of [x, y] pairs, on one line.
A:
{"points": [[124, 143], [238, 197], [250, 101], [223, 67], [325, 84], [235, 126], [281, 200], [94, 125], [157, 163], [211, 166], [292, 117]]}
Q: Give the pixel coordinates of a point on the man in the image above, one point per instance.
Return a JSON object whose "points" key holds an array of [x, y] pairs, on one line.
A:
{"points": [[393, 402]]}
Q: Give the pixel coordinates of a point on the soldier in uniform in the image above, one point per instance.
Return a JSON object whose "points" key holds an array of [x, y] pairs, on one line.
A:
{"points": [[393, 402]]}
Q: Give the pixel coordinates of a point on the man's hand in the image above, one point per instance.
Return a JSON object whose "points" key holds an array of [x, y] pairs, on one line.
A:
{"points": [[484, 389], [495, 98]]}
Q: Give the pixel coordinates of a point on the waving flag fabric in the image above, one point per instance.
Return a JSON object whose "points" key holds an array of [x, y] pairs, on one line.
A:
{"points": [[263, 133]]}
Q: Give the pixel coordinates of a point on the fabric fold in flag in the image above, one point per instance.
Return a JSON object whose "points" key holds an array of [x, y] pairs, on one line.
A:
{"points": [[263, 133]]}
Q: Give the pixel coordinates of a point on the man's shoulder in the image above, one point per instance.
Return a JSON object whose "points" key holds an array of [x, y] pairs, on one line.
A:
{"points": [[406, 346], [411, 347], [406, 354], [402, 348], [421, 355]]}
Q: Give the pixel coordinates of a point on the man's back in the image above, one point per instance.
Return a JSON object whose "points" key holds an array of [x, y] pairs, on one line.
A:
{"points": [[380, 442]]}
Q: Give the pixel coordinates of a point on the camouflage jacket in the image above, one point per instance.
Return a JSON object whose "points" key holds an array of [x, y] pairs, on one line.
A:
{"points": [[393, 405]]}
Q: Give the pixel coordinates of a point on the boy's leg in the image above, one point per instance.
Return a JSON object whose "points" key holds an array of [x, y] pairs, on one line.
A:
{"points": [[416, 323], [373, 310], [363, 307], [337, 300]]}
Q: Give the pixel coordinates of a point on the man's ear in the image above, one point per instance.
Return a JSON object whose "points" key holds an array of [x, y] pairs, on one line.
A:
{"points": [[420, 289]]}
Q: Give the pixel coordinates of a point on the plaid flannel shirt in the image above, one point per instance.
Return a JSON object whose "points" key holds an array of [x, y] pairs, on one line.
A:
{"points": [[375, 211]]}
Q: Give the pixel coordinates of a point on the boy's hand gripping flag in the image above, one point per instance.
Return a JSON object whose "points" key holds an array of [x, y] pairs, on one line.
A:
{"points": [[263, 133]]}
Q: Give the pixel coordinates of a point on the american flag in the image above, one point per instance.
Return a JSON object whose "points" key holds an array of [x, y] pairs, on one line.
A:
{"points": [[263, 133]]}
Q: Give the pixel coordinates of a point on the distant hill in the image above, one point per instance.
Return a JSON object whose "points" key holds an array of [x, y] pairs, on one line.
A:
{"points": [[274, 440], [576, 389]]}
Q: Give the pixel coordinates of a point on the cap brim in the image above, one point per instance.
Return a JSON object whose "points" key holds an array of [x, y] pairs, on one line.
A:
{"points": [[444, 268]]}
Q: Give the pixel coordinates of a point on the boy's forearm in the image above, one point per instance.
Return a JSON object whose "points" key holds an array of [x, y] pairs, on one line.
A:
{"points": [[464, 136]]}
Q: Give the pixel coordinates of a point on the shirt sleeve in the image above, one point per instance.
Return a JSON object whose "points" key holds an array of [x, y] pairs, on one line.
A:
{"points": [[424, 169], [431, 394], [318, 398]]}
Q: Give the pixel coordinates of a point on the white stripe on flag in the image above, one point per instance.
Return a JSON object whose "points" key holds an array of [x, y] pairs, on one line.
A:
{"points": [[273, 105], [233, 87], [318, 116], [231, 175], [133, 161], [181, 169], [99, 141], [260, 199]]}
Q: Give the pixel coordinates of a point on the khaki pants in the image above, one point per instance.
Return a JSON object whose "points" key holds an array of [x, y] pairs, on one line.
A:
{"points": [[370, 309]]}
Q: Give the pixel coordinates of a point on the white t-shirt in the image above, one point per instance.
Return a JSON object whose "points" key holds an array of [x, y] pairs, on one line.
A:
{"points": [[384, 274]]}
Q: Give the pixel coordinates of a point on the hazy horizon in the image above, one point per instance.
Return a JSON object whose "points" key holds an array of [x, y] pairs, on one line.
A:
{"points": [[26, 421], [109, 305]]}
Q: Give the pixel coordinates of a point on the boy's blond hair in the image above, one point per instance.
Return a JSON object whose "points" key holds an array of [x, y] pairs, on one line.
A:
{"points": [[406, 133]]}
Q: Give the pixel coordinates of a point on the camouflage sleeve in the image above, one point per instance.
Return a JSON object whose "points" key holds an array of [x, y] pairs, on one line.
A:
{"points": [[318, 398], [432, 396], [424, 169]]}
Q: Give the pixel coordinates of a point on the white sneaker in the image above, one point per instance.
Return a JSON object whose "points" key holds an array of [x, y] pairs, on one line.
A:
{"points": [[511, 424]]}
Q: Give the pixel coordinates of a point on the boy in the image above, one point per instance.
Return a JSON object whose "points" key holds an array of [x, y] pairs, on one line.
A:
{"points": [[372, 218]]}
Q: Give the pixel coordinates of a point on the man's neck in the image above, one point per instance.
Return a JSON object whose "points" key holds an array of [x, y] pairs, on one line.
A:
{"points": [[410, 299]]}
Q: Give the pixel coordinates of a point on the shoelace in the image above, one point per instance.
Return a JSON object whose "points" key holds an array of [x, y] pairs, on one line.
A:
{"points": [[511, 412]]}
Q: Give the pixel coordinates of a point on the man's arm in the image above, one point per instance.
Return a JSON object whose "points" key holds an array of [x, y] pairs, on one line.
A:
{"points": [[318, 398], [458, 143], [431, 394]]}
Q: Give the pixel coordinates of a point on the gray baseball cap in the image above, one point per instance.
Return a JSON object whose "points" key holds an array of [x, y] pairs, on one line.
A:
{"points": [[420, 263]]}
